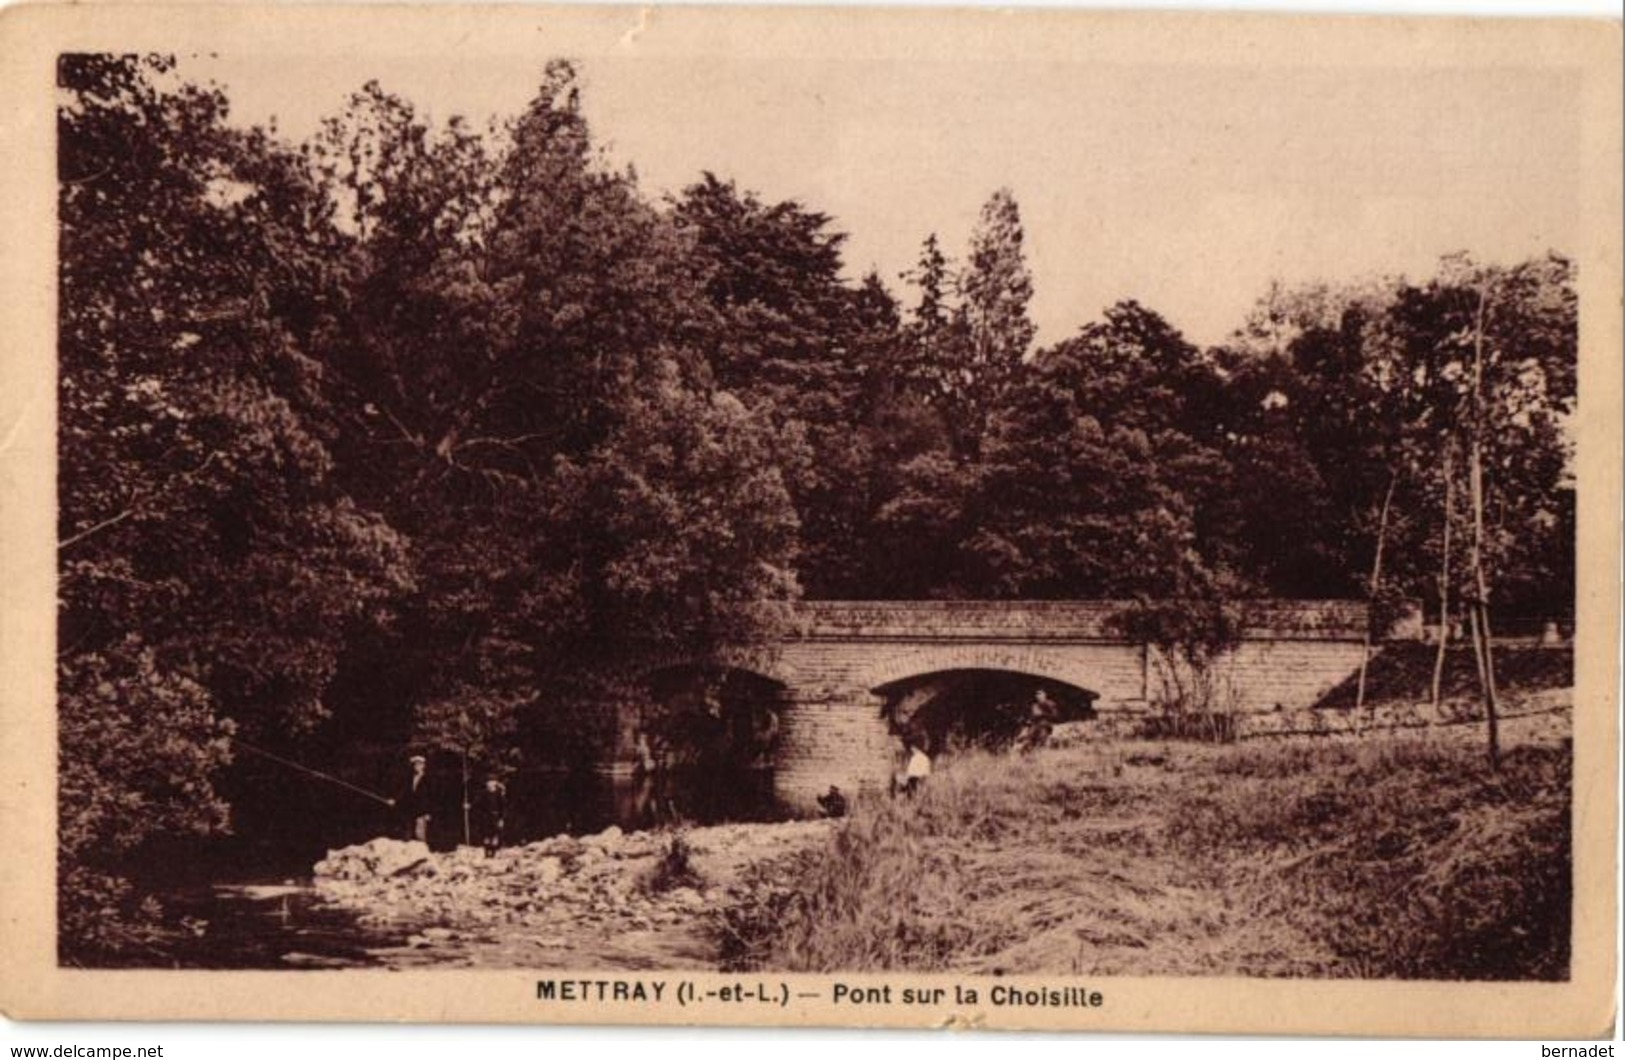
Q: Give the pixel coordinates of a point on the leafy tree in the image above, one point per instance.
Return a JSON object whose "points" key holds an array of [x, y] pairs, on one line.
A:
{"points": [[1482, 362], [207, 558], [1091, 486], [995, 332], [1296, 549], [530, 360], [790, 337]]}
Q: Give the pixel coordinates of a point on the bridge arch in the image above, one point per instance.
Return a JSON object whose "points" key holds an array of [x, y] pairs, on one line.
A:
{"points": [[707, 715], [978, 706], [1046, 662]]}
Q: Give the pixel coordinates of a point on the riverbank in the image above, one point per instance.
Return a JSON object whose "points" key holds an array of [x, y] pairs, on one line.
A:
{"points": [[603, 902], [1393, 854]]}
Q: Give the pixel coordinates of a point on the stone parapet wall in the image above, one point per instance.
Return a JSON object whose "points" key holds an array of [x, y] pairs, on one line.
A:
{"points": [[1269, 675], [1420, 715], [1062, 620]]}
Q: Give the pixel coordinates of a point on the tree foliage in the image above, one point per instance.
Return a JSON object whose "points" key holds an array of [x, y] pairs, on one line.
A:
{"points": [[425, 432], [210, 564]]}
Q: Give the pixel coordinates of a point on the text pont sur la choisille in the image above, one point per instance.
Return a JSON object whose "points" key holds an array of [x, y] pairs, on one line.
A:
{"points": [[781, 994]]}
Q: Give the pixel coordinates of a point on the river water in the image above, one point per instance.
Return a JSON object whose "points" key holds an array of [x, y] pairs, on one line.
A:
{"points": [[247, 901]]}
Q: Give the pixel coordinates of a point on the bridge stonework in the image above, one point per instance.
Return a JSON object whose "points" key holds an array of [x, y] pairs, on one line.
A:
{"points": [[839, 658]]}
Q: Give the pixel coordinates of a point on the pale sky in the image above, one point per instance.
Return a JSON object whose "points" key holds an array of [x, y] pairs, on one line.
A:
{"points": [[1188, 187]]}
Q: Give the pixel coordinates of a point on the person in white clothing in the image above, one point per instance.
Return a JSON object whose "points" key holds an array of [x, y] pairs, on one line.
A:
{"points": [[917, 768]]}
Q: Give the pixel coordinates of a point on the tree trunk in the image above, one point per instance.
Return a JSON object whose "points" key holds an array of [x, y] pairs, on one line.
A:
{"points": [[1475, 479], [1478, 645], [1371, 593], [468, 838], [1444, 574], [1492, 707]]}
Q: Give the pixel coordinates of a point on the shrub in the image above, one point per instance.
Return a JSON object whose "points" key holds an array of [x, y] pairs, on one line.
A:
{"points": [[675, 868], [138, 744]]}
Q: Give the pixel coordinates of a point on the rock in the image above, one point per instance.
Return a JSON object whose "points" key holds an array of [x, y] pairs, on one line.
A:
{"points": [[379, 857], [607, 838], [558, 846], [437, 934], [686, 897]]}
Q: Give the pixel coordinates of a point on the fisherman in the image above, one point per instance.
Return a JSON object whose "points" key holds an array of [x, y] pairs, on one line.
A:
{"points": [[493, 807], [413, 801]]}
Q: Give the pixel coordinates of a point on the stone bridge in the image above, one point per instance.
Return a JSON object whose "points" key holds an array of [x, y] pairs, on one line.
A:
{"points": [[843, 679]]}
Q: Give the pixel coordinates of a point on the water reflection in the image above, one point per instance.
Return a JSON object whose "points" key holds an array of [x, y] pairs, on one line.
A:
{"points": [[548, 804], [269, 925], [249, 902]]}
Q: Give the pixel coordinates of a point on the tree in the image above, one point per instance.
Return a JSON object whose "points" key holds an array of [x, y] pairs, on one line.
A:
{"points": [[997, 333], [1483, 359], [1091, 486], [791, 338], [932, 340], [531, 359], [207, 555]]}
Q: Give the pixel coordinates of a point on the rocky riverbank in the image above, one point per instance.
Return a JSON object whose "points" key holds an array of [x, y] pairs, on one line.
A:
{"points": [[605, 901]]}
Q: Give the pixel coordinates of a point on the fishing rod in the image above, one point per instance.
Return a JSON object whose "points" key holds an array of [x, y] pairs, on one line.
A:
{"points": [[330, 778]]}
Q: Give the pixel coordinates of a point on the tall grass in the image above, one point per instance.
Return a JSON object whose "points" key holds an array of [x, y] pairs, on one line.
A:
{"points": [[900, 884], [1377, 858], [1406, 858]]}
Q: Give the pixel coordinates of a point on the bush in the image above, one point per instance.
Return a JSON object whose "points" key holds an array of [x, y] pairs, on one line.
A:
{"points": [[138, 746], [1206, 725], [675, 869]]}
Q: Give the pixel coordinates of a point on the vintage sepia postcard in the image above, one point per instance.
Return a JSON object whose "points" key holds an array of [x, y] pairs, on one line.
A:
{"points": [[846, 517]]}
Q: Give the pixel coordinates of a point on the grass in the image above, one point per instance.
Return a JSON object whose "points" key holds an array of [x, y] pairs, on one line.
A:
{"points": [[1383, 856]]}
